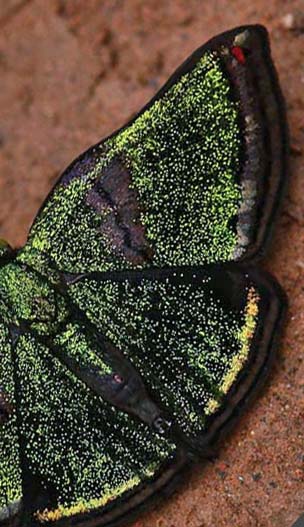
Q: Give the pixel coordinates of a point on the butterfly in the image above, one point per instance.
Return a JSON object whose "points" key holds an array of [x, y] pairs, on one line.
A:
{"points": [[135, 324]]}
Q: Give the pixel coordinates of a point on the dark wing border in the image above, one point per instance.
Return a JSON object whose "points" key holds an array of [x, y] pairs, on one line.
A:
{"points": [[126, 509], [262, 355]]}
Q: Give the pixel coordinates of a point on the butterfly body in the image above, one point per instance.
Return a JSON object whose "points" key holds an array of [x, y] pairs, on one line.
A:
{"points": [[134, 326]]}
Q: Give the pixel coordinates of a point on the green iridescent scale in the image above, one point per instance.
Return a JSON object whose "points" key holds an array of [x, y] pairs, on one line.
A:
{"points": [[188, 339], [80, 453], [183, 154], [10, 469], [133, 326]]}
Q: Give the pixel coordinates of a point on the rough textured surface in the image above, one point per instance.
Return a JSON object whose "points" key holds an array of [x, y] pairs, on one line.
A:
{"points": [[71, 73]]}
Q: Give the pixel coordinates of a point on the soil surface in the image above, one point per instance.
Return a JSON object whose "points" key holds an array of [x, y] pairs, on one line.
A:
{"points": [[72, 72]]}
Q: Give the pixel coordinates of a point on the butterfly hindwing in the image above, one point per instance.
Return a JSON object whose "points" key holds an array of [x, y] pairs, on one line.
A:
{"points": [[200, 339], [83, 459], [194, 178]]}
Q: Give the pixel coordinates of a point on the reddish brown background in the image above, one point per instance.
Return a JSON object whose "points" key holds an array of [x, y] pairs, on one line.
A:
{"points": [[71, 72]]}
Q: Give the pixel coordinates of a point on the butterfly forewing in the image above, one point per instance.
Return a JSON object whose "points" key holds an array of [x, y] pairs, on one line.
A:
{"points": [[193, 179]]}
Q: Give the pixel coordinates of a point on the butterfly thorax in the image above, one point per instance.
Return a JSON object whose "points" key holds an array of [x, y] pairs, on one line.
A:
{"points": [[29, 301]]}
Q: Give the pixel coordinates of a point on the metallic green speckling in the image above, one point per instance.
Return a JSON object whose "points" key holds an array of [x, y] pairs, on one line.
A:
{"points": [[184, 338], [10, 470], [74, 440], [183, 154]]}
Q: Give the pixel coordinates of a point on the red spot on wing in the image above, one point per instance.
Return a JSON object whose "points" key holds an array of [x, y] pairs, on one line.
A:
{"points": [[238, 53]]}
